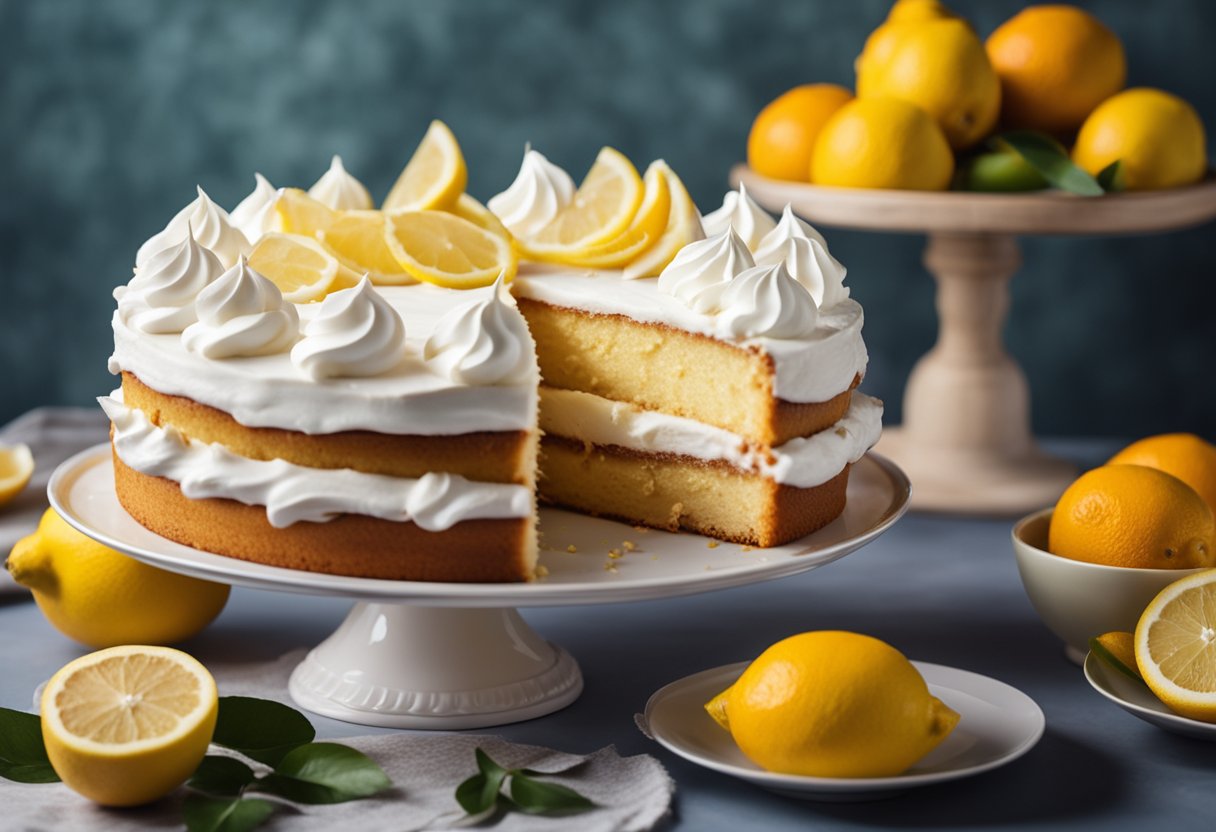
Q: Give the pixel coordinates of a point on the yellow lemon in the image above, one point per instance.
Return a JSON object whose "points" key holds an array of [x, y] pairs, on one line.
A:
{"points": [[1117, 649], [443, 249], [299, 213], [1176, 646], [882, 143], [16, 468], [434, 177], [468, 208], [128, 725], [1157, 138], [683, 226], [940, 66], [881, 42], [100, 597], [783, 135], [356, 239], [833, 704], [300, 266]]}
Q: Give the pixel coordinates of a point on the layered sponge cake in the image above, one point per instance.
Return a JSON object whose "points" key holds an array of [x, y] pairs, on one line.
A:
{"points": [[310, 383]]}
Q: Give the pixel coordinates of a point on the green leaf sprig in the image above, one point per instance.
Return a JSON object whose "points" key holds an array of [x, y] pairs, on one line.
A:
{"points": [[1046, 156], [483, 794], [22, 755]]}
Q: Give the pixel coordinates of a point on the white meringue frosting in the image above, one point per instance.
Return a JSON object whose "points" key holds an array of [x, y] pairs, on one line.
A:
{"points": [[208, 223], [241, 314], [741, 213], [255, 215], [539, 191], [160, 298], [355, 333], [482, 342], [701, 271], [765, 302], [803, 251], [339, 190]]}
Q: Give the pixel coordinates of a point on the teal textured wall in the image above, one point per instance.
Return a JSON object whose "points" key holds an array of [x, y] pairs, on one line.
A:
{"points": [[113, 109]]}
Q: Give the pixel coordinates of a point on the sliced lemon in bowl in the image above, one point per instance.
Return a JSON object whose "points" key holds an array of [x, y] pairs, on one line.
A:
{"points": [[602, 209], [16, 468], [1176, 646], [434, 177], [300, 266], [446, 250], [683, 226], [356, 238], [127, 725]]}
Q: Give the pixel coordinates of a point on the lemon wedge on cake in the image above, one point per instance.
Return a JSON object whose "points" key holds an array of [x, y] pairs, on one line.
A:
{"points": [[300, 266], [683, 226], [643, 231], [443, 249], [434, 177]]}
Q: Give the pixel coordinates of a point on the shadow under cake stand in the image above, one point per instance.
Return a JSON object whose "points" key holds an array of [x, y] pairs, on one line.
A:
{"points": [[451, 656], [965, 439]]}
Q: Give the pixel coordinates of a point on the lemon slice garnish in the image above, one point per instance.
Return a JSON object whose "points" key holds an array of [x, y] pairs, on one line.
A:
{"points": [[470, 209], [126, 725], [356, 238], [441, 248], [16, 468], [434, 177], [300, 266], [299, 213], [602, 209], [1176, 646], [683, 226]]}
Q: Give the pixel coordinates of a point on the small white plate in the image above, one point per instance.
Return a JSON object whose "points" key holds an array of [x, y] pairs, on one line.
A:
{"points": [[999, 724], [1135, 698]]}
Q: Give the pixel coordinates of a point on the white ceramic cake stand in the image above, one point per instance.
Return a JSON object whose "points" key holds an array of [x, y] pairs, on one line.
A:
{"points": [[450, 655]]}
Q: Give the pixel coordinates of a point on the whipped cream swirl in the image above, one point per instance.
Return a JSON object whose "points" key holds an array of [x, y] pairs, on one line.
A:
{"points": [[160, 298], [539, 191], [483, 342], [241, 313], [208, 223], [339, 190], [805, 254], [701, 271], [765, 302], [741, 213], [355, 333], [255, 215]]}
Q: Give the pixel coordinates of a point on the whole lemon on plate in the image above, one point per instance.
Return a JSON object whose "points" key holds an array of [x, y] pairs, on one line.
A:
{"points": [[882, 143], [1130, 515], [783, 135], [1185, 455], [833, 704], [940, 66], [101, 597], [1157, 138], [1056, 64]]}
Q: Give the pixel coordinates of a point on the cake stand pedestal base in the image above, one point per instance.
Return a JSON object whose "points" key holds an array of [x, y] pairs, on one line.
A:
{"points": [[411, 666]]}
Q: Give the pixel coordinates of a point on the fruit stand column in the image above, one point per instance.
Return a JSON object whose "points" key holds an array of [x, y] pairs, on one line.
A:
{"points": [[965, 440]]}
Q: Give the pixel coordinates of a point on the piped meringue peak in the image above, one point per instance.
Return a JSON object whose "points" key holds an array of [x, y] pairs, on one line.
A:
{"points": [[241, 314], [206, 222], [766, 302], [740, 212], [255, 214], [160, 298], [701, 271], [483, 342], [804, 252], [541, 189], [339, 190], [355, 333]]}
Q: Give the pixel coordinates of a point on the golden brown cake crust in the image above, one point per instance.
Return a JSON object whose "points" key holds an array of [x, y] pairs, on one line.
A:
{"points": [[487, 456], [355, 545]]}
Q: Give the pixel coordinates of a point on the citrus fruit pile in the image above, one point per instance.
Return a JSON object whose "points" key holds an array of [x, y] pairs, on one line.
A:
{"points": [[937, 107]]}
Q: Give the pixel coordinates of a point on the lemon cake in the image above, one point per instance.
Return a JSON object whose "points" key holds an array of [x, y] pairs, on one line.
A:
{"points": [[311, 383]]}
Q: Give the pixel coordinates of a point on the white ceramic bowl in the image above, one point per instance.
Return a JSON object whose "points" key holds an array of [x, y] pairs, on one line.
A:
{"points": [[1079, 600]]}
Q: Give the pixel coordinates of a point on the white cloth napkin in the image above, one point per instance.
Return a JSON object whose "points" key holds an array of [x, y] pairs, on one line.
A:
{"points": [[631, 793], [53, 434]]}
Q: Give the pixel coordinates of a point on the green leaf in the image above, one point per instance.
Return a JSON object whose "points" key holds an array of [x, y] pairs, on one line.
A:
{"points": [[1045, 155], [219, 814], [535, 797], [22, 754], [324, 772], [1111, 177], [221, 776], [260, 729]]}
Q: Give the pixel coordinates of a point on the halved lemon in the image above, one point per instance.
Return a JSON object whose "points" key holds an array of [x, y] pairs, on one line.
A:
{"points": [[356, 238], [645, 229], [1176, 646], [434, 177], [300, 266], [299, 213], [470, 209], [683, 227], [127, 725], [602, 209], [441, 248], [16, 468]]}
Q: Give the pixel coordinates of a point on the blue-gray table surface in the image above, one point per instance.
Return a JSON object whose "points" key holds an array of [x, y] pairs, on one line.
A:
{"points": [[942, 589]]}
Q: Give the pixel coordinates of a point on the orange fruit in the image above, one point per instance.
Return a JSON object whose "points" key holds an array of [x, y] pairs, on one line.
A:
{"points": [[1056, 64], [1130, 515], [1157, 138], [783, 135], [882, 143], [1184, 455]]}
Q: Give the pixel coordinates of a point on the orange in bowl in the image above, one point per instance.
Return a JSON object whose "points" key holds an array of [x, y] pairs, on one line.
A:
{"points": [[783, 135]]}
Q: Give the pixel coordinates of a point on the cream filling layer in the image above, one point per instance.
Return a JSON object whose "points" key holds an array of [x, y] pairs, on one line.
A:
{"points": [[294, 493], [802, 463], [813, 368]]}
